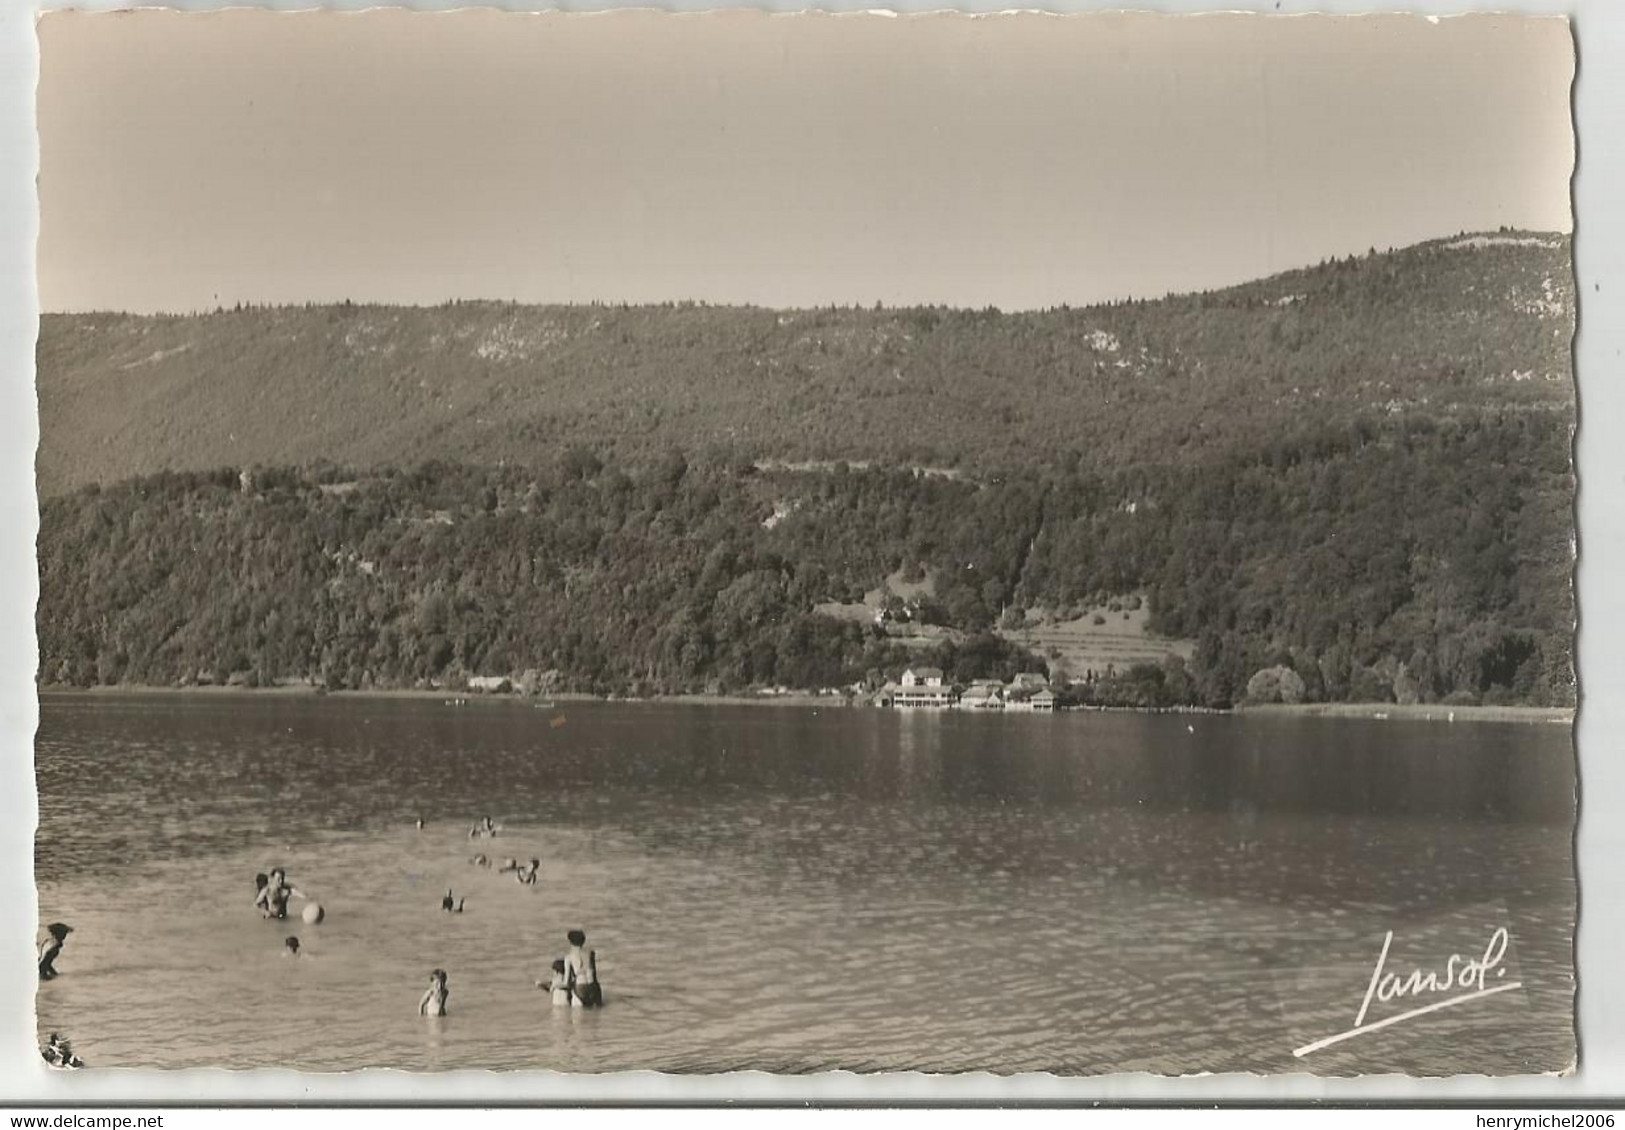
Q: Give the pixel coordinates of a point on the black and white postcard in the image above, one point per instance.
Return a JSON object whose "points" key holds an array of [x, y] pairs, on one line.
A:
{"points": [[804, 543]]}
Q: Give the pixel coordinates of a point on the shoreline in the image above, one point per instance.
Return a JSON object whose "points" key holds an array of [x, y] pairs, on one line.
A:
{"points": [[450, 697], [1375, 711], [1417, 712]]}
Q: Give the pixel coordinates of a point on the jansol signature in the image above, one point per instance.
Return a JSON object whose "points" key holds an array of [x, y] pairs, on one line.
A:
{"points": [[1468, 978]]}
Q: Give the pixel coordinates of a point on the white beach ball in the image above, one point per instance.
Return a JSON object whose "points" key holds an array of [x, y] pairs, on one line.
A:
{"points": [[314, 913]]}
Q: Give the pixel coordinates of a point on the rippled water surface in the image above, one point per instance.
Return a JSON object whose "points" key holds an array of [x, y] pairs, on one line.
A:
{"points": [[796, 889]]}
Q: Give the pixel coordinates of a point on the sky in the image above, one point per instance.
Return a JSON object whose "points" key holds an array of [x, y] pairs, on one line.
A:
{"points": [[193, 160]]}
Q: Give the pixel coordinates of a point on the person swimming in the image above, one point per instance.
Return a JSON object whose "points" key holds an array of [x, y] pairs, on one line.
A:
{"points": [[51, 948], [509, 864], [434, 999], [272, 898], [527, 873], [290, 946], [581, 967], [559, 986], [480, 860]]}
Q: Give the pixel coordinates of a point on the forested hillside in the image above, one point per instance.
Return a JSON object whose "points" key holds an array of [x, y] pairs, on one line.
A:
{"points": [[1380, 560], [1348, 483], [1434, 330]]}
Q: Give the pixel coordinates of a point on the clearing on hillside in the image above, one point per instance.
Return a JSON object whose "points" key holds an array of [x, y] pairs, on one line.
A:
{"points": [[1078, 646]]}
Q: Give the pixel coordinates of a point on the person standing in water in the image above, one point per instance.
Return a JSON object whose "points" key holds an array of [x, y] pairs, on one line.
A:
{"points": [[434, 1000], [56, 934], [273, 897], [581, 967]]}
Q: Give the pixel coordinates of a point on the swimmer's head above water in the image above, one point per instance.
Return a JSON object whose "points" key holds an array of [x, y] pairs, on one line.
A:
{"points": [[292, 944], [576, 937]]}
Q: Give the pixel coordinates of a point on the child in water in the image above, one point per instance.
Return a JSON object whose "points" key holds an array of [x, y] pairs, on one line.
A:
{"points": [[291, 947], [434, 1000], [527, 874], [559, 987], [51, 948]]}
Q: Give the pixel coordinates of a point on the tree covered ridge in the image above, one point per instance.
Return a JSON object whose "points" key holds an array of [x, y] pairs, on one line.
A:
{"points": [[1393, 556], [1442, 329]]}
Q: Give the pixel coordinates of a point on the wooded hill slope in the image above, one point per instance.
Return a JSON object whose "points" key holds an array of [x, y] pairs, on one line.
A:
{"points": [[1453, 325], [1385, 560], [1353, 478]]}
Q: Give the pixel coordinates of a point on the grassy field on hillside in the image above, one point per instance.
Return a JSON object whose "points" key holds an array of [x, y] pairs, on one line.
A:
{"points": [[1098, 640]]}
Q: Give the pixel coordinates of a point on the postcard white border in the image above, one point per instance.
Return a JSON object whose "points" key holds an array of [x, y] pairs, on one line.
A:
{"points": [[1599, 27]]}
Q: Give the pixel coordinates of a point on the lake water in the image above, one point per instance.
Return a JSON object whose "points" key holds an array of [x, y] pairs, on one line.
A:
{"points": [[797, 889]]}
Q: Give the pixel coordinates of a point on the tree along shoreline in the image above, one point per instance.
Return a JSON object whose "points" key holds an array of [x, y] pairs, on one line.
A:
{"points": [[1371, 711], [1388, 560]]}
